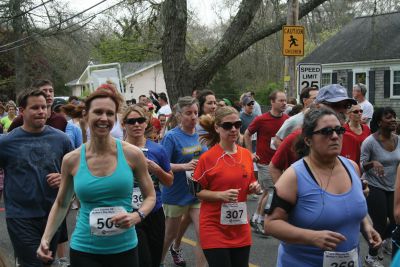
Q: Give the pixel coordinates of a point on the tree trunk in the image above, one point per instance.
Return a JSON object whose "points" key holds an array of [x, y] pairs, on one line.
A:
{"points": [[180, 76], [20, 77]]}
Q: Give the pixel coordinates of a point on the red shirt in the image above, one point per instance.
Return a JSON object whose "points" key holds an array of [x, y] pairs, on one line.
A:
{"points": [[266, 126], [56, 121], [286, 155], [360, 137], [219, 173]]}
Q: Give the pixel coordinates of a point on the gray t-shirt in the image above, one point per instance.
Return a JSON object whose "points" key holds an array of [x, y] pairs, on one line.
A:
{"points": [[27, 158], [246, 120], [290, 125], [371, 150]]}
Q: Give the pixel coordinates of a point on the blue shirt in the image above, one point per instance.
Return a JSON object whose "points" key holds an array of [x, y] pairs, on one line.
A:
{"points": [[74, 133], [181, 148], [157, 154], [27, 158], [317, 209]]}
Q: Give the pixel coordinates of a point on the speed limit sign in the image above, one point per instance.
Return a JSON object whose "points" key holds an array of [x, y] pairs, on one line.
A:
{"points": [[309, 75]]}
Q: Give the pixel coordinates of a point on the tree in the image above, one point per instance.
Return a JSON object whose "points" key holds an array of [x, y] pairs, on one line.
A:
{"points": [[181, 76]]}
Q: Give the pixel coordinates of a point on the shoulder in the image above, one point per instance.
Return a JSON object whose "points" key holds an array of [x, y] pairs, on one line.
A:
{"points": [[130, 149], [72, 158]]}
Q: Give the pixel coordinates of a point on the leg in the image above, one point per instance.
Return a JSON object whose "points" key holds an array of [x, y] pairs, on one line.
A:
{"points": [[143, 248], [240, 256], [183, 226], [218, 257], [82, 259], [173, 216], [377, 212], [194, 215], [155, 230], [124, 259]]}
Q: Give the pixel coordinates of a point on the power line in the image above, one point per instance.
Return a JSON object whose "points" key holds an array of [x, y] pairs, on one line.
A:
{"points": [[56, 25], [25, 12]]}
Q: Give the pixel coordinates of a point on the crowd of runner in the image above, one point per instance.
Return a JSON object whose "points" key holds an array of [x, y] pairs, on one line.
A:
{"points": [[324, 171]]}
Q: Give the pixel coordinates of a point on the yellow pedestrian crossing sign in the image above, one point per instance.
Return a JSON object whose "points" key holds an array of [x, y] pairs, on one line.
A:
{"points": [[293, 41]]}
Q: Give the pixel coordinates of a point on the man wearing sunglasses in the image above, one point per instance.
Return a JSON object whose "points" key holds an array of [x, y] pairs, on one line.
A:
{"points": [[266, 126], [359, 92], [335, 97]]}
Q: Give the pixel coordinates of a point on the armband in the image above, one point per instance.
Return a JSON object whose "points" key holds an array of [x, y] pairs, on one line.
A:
{"points": [[194, 186], [275, 201]]}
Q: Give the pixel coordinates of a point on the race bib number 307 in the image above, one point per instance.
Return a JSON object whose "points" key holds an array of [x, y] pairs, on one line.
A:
{"points": [[234, 213], [100, 221]]}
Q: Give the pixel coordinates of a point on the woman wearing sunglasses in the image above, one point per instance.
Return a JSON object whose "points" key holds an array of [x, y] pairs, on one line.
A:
{"points": [[317, 206], [151, 231], [354, 126], [226, 175], [380, 156], [102, 173]]}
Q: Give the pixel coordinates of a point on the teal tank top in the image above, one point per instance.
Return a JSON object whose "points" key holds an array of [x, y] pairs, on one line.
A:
{"points": [[100, 198]]}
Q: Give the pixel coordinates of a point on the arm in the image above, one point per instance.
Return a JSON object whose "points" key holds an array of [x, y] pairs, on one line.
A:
{"points": [[247, 140], [229, 195], [180, 167], [276, 223], [274, 172], [365, 158], [397, 197], [60, 206], [166, 178], [370, 234], [277, 141]]}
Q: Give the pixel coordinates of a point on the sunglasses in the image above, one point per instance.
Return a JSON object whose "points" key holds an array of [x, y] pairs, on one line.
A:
{"points": [[329, 131], [360, 111], [133, 121], [228, 125], [250, 104]]}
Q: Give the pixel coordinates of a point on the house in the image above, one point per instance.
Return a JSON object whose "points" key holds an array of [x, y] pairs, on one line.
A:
{"points": [[132, 79], [365, 51]]}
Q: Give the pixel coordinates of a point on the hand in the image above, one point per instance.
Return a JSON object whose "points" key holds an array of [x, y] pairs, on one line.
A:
{"points": [[255, 157], [372, 236], [126, 220], [365, 187], [254, 188], [43, 253], [326, 240], [191, 165], [378, 168], [54, 180], [230, 195]]}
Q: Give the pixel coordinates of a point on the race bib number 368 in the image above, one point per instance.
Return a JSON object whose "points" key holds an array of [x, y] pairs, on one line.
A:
{"points": [[341, 259], [100, 221]]}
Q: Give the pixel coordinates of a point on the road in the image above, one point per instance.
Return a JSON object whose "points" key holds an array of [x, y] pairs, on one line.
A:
{"points": [[263, 251]]}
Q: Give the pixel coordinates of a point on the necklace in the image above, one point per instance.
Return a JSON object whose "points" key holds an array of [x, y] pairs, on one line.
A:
{"points": [[319, 176]]}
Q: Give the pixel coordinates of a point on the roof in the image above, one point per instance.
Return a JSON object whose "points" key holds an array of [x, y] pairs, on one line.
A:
{"points": [[133, 68], [366, 38], [73, 83]]}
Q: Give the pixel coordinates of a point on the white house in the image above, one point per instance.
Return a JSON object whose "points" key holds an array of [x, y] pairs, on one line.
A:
{"points": [[132, 78]]}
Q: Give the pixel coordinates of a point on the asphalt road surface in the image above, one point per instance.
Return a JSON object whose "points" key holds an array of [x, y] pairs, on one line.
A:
{"points": [[263, 251]]}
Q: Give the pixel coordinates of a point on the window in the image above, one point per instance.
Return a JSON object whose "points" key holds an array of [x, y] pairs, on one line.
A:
{"points": [[396, 83], [326, 79]]}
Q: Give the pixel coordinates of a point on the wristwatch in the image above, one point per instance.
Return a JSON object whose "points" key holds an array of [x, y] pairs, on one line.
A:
{"points": [[141, 215]]}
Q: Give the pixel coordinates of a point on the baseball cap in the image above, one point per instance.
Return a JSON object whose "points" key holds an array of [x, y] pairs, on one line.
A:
{"points": [[333, 93], [247, 99]]}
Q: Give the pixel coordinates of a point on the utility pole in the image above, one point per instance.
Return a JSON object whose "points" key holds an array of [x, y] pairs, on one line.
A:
{"points": [[290, 61]]}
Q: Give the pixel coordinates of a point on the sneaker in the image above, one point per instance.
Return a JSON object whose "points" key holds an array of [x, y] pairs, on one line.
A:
{"points": [[177, 256], [380, 254], [372, 261], [387, 246], [61, 262], [260, 228], [253, 223]]}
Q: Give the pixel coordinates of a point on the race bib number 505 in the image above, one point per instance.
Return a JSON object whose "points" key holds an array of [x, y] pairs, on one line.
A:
{"points": [[100, 221]]}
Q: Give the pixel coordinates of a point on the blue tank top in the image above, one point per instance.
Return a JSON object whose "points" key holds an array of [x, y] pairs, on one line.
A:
{"points": [[114, 190], [317, 209]]}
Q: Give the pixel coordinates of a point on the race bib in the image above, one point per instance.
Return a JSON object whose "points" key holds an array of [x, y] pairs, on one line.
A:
{"points": [[137, 198], [189, 174], [100, 221], [234, 213], [341, 259]]}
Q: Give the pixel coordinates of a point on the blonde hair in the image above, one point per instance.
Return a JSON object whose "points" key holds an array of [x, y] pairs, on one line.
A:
{"points": [[208, 123], [142, 112]]}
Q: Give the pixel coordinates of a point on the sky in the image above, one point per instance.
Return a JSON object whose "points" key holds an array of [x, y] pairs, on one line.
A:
{"points": [[202, 8]]}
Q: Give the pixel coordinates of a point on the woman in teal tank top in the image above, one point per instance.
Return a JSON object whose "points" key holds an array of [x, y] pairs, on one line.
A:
{"points": [[101, 173]]}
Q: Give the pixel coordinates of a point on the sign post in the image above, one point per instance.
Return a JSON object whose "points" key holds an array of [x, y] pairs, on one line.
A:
{"points": [[309, 75], [293, 41]]}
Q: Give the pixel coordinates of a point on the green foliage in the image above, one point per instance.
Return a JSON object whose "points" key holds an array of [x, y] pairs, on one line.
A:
{"points": [[262, 91], [224, 85]]}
